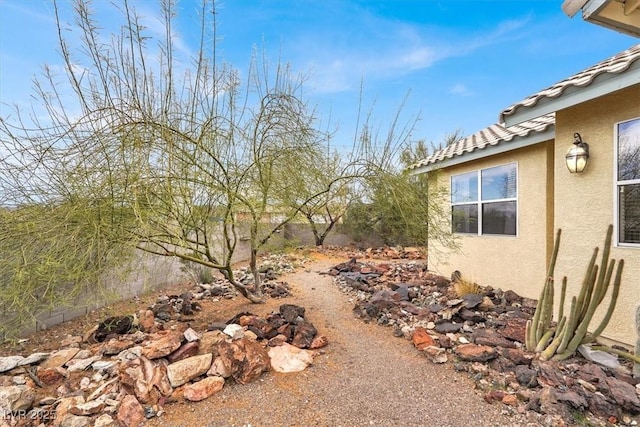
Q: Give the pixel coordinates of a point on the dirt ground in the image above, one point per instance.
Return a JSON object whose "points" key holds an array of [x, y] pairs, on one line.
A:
{"points": [[365, 376]]}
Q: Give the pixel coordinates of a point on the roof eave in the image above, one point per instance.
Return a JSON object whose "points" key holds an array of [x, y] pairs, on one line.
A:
{"points": [[601, 85], [490, 150]]}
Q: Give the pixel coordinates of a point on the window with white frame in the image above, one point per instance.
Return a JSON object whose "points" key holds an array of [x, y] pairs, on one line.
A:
{"points": [[628, 181], [485, 201]]}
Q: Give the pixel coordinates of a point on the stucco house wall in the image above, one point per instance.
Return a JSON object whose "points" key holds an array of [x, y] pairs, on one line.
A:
{"points": [[584, 203], [508, 262]]}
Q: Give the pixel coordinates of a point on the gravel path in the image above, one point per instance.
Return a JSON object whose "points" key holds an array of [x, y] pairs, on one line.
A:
{"points": [[365, 377]]}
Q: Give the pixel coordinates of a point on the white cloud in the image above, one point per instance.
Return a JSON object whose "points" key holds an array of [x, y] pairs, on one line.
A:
{"points": [[460, 89]]}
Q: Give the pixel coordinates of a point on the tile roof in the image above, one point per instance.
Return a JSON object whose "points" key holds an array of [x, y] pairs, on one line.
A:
{"points": [[615, 65], [487, 137]]}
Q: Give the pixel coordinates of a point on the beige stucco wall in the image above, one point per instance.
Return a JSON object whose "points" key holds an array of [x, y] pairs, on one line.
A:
{"points": [[517, 263], [584, 203]]}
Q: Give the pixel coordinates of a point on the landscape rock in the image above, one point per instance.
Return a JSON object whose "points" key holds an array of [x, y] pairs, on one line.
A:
{"points": [[146, 320], [16, 398], [210, 340], [148, 380], [203, 389], [476, 353], [304, 334], [218, 368], [50, 376], [59, 358], [185, 370], [10, 362], [288, 358], [162, 345], [421, 339], [87, 408], [71, 420], [624, 394], [246, 360], [130, 412], [447, 327], [105, 420], [115, 346], [187, 350], [319, 341], [435, 354]]}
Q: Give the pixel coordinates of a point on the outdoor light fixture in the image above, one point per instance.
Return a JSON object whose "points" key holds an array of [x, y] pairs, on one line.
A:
{"points": [[577, 155]]}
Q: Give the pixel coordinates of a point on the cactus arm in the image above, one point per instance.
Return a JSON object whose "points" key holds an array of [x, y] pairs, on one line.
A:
{"points": [[571, 324], [542, 344], [591, 291], [585, 283], [563, 293], [612, 304], [607, 278], [551, 349]]}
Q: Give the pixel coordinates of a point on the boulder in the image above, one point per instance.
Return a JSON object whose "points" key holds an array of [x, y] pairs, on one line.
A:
{"points": [[304, 334], [187, 350], [59, 358], [147, 380], [130, 412], [187, 369], [288, 358], [162, 345], [246, 360], [16, 398], [203, 389]]}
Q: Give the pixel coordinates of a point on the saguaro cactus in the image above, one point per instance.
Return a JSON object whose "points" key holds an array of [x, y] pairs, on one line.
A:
{"points": [[561, 341]]}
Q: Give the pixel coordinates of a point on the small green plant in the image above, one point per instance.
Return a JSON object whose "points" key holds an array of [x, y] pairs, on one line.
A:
{"points": [[561, 341]]}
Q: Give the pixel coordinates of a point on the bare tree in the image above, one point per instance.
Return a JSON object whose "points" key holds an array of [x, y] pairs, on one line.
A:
{"points": [[173, 148]]}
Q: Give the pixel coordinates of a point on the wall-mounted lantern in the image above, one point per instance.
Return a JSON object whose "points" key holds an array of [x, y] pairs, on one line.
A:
{"points": [[577, 155]]}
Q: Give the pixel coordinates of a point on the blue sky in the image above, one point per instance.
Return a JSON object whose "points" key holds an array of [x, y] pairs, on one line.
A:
{"points": [[461, 62]]}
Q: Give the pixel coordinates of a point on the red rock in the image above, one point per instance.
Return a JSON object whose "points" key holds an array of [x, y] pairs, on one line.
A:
{"points": [[187, 350], [510, 399], [476, 353], [517, 356], [49, 376], [146, 320], [421, 339], [246, 360], [203, 389], [514, 330], [146, 379], [494, 396], [130, 412], [318, 342], [162, 345]]}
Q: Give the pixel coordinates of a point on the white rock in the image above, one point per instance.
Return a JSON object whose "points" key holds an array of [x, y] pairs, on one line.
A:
{"points": [[19, 380], [431, 325], [102, 365], [191, 335], [77, 365], [10, 362], [234, 331], [16, 398], [288, 358], [601, 357], [463, 340], [34, 358]]}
